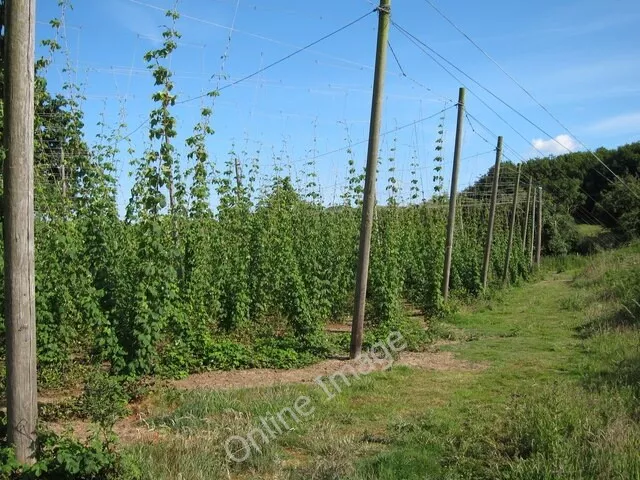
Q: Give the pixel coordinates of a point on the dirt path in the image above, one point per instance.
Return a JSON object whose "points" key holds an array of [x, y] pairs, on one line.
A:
{"points": [[234, 379], [134, 428]]}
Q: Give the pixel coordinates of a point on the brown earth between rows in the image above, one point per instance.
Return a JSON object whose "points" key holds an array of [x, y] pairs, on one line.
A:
{"points": [[263, 377], [133, 428]]}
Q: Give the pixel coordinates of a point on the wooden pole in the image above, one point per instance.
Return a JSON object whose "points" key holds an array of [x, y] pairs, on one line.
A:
{"points": [[368, 204], [539, 232], [492, 215], [451, 223], [526, 218], [512, 227], [19, 271], [533, 226]]}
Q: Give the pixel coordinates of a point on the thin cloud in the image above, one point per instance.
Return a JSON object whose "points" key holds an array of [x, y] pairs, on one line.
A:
{"points": [[588, 28], [626, 123], [138, 20], [556, 146]]}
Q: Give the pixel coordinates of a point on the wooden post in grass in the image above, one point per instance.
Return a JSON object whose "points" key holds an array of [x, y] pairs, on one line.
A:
{"points": [[533, 226], [539, 232], [451, 223], [512, 227], [368, 204], [19, 269], [492, 215], [526, 218]]}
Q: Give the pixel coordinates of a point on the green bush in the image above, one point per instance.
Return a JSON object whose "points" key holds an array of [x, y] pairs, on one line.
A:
{"points": [[560, 234], [104, 399], [63, 458], [622, 201]]}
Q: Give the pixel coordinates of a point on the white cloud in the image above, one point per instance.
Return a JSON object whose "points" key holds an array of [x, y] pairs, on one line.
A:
{"points": [[556, 146], [627, 123]]}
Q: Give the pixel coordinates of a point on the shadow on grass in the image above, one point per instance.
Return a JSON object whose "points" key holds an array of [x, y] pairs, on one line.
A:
{"points": [[620, 320], [603, 241], [622, 374]]}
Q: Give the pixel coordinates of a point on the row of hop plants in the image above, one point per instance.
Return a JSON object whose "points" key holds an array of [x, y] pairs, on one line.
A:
{"points": [[252, 283], [177, 286]]}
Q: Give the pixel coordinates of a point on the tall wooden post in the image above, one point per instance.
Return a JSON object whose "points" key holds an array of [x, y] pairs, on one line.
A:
{"points": [[539, 232], [19, 270], [526, 218], [368, 204], [533, 226], [512, 227], [492, 215], [451, 223]]}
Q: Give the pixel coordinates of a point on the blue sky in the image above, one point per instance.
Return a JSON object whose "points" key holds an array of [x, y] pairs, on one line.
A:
{"points": [[578, 57]]}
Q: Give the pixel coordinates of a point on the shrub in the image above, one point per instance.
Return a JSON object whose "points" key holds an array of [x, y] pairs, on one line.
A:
{"points": [[104, 399], [63, 458], [560, 234]]}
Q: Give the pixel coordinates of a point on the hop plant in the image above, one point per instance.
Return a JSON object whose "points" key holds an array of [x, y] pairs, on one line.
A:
{"points": [[438, 160]]}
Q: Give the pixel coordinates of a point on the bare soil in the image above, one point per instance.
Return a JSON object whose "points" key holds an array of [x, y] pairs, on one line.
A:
{"points": [[234, 379], [134, 429]]}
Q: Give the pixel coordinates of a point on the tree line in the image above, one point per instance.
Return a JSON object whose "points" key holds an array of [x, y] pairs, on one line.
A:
{"points": [[579, 189]]}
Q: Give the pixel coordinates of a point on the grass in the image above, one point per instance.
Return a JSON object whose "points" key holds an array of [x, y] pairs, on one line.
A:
{"points": [[559, 399], [586, 230]]}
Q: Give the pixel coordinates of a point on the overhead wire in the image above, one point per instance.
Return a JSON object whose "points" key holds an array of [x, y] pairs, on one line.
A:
{"points": [[417, 41], [557, 190], [403, 74], [508, 147], [267, 67], [530, 95], [252, 34], [388, 132]]}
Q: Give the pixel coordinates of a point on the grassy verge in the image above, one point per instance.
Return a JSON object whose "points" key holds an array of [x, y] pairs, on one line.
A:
{"points": [[558, 399]]}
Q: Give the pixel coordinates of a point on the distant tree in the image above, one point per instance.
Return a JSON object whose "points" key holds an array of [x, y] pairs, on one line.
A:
{"points": [[622, 201], [577, 185]]}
